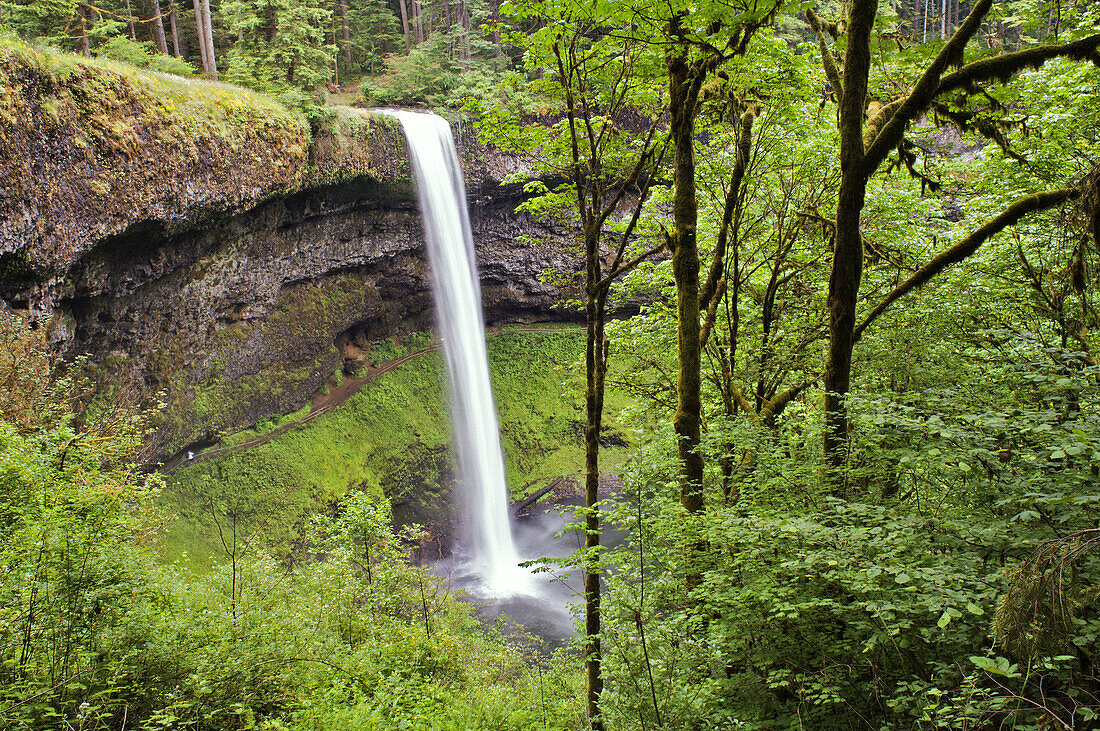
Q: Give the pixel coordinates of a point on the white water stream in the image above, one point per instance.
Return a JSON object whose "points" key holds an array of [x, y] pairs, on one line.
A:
{"points": [[485, 547]]}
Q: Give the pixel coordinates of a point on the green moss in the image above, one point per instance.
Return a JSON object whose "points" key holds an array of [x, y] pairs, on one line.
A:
{"points": [[132, 122], [222, 405], [265, 426], [538, 381], [358, 144], [307, 313], [114, 99], [393, 438]]}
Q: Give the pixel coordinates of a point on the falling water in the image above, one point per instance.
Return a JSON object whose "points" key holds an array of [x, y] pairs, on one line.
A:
{"points": [[486, 543]]}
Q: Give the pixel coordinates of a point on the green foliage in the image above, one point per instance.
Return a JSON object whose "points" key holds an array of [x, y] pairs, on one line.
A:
{"points": [[45, 19], [376, 33], [449, 69], [121, 48], [96, 635], [428, 75], [280, 44], [392, 439], [952, 585], [961, 584], [70, 507]]}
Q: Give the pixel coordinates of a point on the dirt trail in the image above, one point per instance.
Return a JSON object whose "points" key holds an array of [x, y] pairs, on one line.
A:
{"points": [[324, 402]]}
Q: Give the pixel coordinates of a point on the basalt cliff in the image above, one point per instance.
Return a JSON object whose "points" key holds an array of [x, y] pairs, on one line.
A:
{"points": [[211, 248]]}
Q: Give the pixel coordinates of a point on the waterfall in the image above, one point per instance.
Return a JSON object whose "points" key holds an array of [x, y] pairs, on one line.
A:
{"points": [[485, 542]]}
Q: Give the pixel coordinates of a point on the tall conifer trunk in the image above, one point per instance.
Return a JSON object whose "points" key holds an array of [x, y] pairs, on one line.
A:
{"points": [[208, 39], [200, 32], [405, 24], [346, 29], [178, 49], [85, 45], [158, 28], [130, 21]]}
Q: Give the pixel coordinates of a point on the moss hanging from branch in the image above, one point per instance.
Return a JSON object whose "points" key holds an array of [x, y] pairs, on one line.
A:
{"points": [[1003, 67], [925, 90], [991, 128]]}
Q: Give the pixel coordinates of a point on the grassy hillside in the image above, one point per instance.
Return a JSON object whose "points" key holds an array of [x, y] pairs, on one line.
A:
{"points": [[391, 438]]}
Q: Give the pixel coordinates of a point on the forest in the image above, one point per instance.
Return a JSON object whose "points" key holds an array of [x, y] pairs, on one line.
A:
{"points": [[836, 265]]}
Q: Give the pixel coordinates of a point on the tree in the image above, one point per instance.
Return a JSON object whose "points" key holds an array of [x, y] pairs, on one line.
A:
{"points": [[608, 151], [157, 19], [280, 44], [375, 33], [698, 45], [206, 46], [179, 50], [869, 136]]}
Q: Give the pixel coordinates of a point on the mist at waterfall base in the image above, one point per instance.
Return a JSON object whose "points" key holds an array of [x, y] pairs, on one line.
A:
{"points": [[543, 608], [485, 561]]}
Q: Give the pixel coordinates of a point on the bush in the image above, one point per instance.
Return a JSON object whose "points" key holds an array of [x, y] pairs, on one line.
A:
{"points": [[958, 590], [121, 48], [347, 635]]}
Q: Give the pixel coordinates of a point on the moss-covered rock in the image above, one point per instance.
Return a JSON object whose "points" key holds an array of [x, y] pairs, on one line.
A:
{"points": [[206, 245], [90, 148]]}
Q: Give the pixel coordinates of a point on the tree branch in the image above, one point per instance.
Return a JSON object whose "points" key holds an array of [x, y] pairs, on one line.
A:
{"points": [[775, 406], [960, 251], [1007, 65], [828, 60], [717, 265], [926, 89], [567, 85]]}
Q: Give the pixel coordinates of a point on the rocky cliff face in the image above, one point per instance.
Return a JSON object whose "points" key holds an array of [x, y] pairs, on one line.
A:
{"points": [[218, 253]]}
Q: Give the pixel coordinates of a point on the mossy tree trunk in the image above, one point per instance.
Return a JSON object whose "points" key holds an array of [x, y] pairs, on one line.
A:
{"points": [[685, 81], [595, 366], [847, 269], [690, 61]]}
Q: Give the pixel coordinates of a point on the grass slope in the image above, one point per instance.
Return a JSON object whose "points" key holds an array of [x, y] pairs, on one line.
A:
{"points": [[393, 439]]}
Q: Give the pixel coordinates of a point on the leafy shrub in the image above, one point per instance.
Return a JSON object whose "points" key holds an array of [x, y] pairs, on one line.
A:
{"points": [[121, 48], [348, 635], [956, 588]]}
